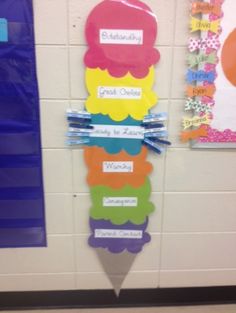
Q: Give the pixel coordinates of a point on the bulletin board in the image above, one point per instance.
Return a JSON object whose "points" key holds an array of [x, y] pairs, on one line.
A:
{"points": [[214, 54]]}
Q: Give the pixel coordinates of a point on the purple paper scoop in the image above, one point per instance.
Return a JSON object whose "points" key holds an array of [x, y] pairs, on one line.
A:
{"points": [[117, 238]]}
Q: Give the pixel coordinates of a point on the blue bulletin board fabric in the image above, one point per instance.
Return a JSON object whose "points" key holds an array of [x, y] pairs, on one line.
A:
{"points": [[22, 216]]}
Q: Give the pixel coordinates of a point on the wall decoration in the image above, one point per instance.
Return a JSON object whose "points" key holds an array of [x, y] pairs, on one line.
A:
{"points": [[128, 236], [118, 170], [120, 97], [22, 222], [122, 45], [118, 129], [211, 76], [121, 205]]}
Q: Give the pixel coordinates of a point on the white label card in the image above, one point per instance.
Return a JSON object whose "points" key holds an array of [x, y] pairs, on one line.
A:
{"points": [[118, 167], [119, 131], [111, 92], [118, 233], [120, 201], [121, 36]]}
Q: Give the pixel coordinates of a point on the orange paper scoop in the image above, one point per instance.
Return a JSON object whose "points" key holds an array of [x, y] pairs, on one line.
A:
{"points": [[116, 170], [228, 58]]}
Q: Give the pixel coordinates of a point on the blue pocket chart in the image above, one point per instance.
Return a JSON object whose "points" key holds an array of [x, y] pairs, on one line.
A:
{"points": [[22, 216]]}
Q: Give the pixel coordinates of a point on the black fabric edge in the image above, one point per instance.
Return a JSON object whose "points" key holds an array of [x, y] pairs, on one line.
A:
{"points": [[107, 298]]}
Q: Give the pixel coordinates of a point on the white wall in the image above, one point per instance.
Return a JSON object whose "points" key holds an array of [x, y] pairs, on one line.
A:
{"points": [[194, 227]]}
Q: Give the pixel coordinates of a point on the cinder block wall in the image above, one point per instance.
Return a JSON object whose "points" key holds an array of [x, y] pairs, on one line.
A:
{"points": [[194, 226]]}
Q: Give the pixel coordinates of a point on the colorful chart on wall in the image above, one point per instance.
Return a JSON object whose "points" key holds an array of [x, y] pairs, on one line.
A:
{"points": [[212, 58], [118, 129], [22, 221]]}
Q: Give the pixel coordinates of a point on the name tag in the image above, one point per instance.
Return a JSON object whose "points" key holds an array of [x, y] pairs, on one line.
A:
{"points": [[121, 36], [118, 167], [106, 92], [118, 233], [120, 201]]}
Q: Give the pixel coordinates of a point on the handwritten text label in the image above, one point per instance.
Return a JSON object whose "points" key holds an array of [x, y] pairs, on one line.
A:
{"points": [[121, 36], [120, 201], [110, 92], [118, 233], [118, 167], [118, 131]]}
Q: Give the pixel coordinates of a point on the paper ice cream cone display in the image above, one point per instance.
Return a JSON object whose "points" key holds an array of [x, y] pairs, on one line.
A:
{"points": [[117, 129]]}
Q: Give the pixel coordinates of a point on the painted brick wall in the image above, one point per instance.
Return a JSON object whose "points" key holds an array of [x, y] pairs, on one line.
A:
{"points": [[194, 227]]}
